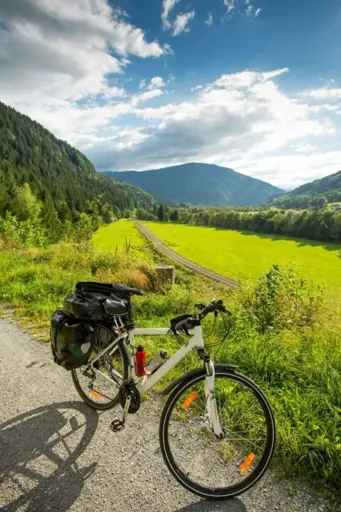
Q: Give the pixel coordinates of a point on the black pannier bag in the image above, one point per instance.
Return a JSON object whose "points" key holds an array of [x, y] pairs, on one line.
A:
{"points": [[94, 306], [71, 341]]}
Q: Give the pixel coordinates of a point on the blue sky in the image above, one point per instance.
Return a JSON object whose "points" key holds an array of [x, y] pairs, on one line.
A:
{"points": [[250, 84]]}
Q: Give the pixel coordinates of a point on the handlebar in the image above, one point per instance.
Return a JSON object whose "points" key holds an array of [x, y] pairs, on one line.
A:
{"points": [[186, 322], [215, 305]]}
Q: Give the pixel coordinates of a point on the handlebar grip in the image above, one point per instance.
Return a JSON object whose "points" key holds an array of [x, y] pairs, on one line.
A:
{"points": [[183, 325]]}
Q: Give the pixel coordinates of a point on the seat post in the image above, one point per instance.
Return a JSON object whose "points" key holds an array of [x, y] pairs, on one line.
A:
{"points": [[130, 310]]}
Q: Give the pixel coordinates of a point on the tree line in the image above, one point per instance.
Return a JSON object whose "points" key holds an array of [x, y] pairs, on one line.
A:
{"points": [[323, 225], [307, 202]]}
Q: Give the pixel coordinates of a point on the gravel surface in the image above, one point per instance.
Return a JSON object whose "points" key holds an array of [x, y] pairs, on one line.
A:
{"points": [[56, 454], [189, 264]]}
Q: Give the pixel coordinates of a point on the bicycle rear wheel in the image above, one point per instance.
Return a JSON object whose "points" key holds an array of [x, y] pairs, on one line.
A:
{"points": [[202, 463], [99, 385]]}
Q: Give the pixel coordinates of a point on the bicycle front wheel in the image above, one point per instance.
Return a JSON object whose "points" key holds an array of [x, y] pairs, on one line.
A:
{"points": [[202, 463]]}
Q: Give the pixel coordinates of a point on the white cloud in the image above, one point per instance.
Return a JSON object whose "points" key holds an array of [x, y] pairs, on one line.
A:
{"points": [[287, 170], [324, 93], [247, 78], [209, 21], [114, 92], [197, 88], [243, 121], [167, 7], [305, 148], [147, 95], [64, 50], [241, 7], [327, 107], [156, 83], [181, 22], [61, 64], [230, 4]]}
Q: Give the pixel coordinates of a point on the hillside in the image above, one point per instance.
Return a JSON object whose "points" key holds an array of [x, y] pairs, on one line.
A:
{"points": [[321, 186], [313, 195], [200, 184], [55, 170]]}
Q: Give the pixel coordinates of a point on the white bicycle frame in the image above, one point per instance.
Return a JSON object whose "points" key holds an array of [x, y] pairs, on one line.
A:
{"points": [[194, 343]]}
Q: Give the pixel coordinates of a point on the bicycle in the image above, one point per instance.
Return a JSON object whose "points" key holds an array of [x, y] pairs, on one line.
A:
{"points": [[217, 429]]}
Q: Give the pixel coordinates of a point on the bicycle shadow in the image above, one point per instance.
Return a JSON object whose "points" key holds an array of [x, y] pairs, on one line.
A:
{"points": [[232, 505], [39, 452]]}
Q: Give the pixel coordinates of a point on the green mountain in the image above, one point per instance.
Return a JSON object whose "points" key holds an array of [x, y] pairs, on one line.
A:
{"points": [[200, 184], [324, 185], [315, 194], [56, 172]]}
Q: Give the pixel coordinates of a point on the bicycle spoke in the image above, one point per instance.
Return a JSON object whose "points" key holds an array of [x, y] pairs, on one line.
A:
{"points": [[205, 460], [101, 382]]}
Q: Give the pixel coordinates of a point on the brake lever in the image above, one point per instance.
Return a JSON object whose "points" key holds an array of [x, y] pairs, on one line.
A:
{"points": [[200, 306]]}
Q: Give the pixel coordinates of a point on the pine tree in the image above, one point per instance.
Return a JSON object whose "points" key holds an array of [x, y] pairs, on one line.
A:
{"points": [[161, 213], [50, 220]]}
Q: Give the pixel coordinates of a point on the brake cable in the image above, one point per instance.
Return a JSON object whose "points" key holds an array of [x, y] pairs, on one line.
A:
{"points": [[207, 336], [220, 342], [227, 326]]}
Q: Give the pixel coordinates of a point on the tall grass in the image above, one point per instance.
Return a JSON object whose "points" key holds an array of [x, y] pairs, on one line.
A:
{"points": [[35, 281], [284, 335], [287, 339]]}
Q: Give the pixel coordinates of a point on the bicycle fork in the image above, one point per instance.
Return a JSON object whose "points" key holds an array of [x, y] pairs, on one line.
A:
{"points": [[211, 404]]}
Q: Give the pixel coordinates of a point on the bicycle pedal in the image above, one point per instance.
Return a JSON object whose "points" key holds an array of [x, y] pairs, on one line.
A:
{"points": [[117, 425]]}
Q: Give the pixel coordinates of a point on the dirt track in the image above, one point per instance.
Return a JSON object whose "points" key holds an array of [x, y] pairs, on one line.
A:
{"points": [[192, 266]]}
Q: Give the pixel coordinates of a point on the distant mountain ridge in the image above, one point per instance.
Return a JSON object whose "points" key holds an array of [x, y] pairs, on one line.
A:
{"points": [[321, 186], [315, 194], [200, 184]]}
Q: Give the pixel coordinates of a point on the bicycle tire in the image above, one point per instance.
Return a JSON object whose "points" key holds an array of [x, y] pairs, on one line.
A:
{"points": [[85, 394], [212, 492]]}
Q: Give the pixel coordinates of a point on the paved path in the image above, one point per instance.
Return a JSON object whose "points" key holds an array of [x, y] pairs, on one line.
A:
{"points": [[56, 454], [189, 264]]}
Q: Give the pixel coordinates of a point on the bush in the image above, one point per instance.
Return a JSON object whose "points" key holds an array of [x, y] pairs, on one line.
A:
{"points": [[281, 300], [284, 336]]}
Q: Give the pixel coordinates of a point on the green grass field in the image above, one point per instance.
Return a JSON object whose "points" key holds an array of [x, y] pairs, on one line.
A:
{"points": [[284, 335], [245, 256], [120, 235]]}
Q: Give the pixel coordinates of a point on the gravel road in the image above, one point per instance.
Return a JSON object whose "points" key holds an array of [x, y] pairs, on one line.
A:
{"points": [[192, 266], [56, 454]]}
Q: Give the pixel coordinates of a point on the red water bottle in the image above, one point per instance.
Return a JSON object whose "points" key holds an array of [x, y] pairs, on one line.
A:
{"points": [[141, 360]]}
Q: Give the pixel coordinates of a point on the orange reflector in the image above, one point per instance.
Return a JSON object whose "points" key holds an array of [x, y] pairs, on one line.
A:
{"points": [[94, 394], [193, 396], [247, 463]]}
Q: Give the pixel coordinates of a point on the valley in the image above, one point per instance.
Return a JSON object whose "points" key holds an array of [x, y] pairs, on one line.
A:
{"points": [[245, 256], [62, 222]]}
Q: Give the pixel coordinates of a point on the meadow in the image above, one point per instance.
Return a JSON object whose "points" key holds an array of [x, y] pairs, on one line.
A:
{"points": [[283, 334], [246, 256], [117, 236]]}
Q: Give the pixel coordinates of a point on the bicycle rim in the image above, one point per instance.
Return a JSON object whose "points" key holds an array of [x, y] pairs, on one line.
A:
{"points": [[99, 385], [204, 464]]}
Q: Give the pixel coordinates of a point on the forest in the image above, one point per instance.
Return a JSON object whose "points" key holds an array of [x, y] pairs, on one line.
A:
{"points": [[319, 224], [46, 183]]}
